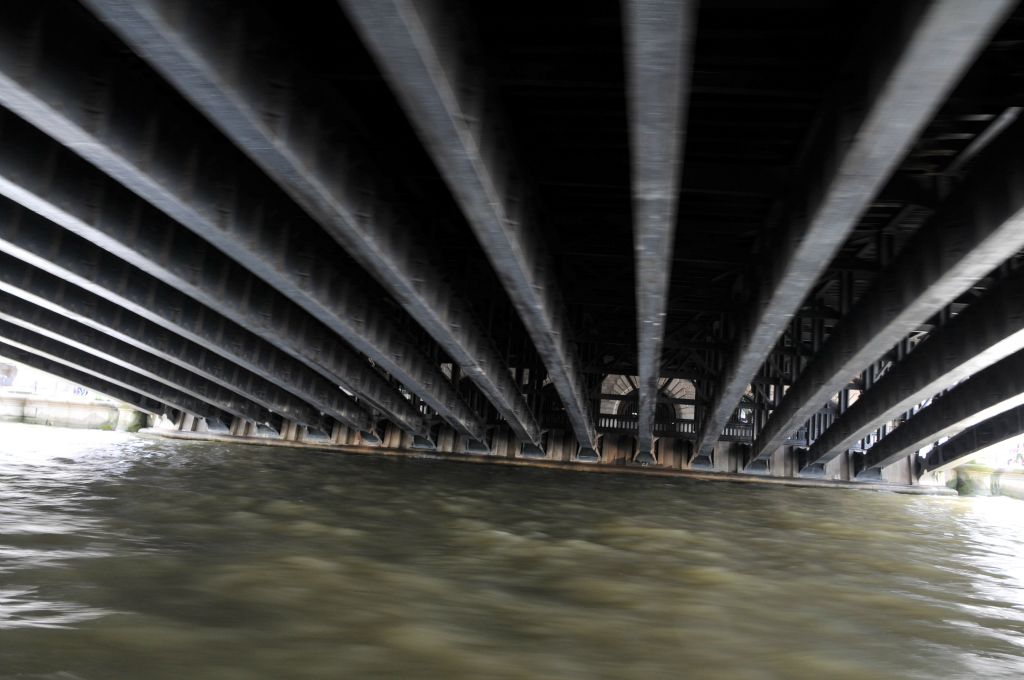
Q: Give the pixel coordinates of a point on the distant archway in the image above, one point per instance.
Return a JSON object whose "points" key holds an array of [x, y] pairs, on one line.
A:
{"points": [[627, 388], [680, 388]]}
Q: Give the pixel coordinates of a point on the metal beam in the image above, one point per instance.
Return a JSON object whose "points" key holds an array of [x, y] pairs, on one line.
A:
{"points": [[422, 65], [34, 240], [658, 36], [914, 73], [85, 362], [17, 312], [269, 122], [44, 177], [207, 186], [984, 333], [64, 372], [978, 227], [38, 288], [998, 388], [662, 399], [991, 432]]}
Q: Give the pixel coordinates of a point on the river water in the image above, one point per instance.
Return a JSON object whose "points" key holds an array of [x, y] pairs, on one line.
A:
{"points": [[122, 557]]}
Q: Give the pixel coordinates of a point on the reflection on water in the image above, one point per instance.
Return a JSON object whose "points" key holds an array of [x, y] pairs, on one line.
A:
{"points": [[127, 558]]}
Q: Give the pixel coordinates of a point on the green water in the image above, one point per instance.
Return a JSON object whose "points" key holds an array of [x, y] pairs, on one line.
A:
{"points": [[122, 557]]}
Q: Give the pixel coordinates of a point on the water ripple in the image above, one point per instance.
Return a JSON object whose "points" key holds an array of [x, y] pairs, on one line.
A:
{"points": [[129, 558]]}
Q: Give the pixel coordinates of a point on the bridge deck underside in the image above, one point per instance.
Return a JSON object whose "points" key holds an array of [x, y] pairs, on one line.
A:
{"points": [[492, 227]]}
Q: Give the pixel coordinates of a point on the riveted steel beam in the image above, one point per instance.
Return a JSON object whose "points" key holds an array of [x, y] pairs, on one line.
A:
{"points": [[978, 227], [129, 126], [86, 362], [912, 77], [41, 175], [421, 64], [270, 123], [658, 36], [34, 240], [996, 430], [65, 372], [43, 290], [998, 388], [986, 332], [42, 322]]}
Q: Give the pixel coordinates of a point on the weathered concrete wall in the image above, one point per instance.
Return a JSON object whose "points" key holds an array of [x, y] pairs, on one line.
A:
{"points": [[900, 472], [839, 468], [130, 420], [12, 409], [356, 448], [1009, 484], [974, 480], [730, 456], [40, 411], [944, 477], [980, 480], [617, 449], [560, 447]]}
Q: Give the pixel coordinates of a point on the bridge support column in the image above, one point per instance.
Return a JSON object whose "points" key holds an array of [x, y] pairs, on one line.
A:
{"points": [[129, 419], [290, 431], [901, 472]]}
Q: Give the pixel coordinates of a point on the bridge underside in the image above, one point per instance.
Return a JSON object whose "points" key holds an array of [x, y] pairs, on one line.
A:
{"points": [[782, 238]]}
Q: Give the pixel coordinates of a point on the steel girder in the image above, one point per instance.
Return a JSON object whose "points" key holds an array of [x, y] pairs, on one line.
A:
{"points": [[269, 124], [421, 64], [911, 80], [998, 388], [38, 173], [658, 37], [978, 227], [991, 432], [64, 372], [34, 240], [987, 331], [207, 187], [65, 189], [49, 292], [86, 362], [42, 322]]}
